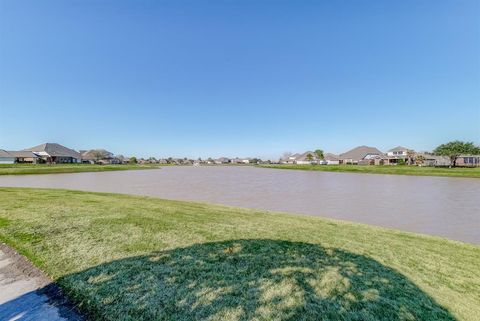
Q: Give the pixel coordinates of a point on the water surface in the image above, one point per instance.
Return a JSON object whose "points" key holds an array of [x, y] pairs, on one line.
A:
{"points": [[443, 206]]}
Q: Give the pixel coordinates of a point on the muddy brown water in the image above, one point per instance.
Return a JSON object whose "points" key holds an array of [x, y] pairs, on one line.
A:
{"points": [[442, 206]]}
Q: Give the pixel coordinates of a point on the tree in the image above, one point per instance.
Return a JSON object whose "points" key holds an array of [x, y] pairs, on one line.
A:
{"points": [[410, 156], [419, 160], [455, 149], [309, 157], [319, 153], [132, 160]]}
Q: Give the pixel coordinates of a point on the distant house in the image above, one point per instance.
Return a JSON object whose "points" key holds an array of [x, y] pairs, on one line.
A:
{"points": [[222, 160], [360, 155], [6, 157], [434, 160], [99, 156], [331, 159], [306, 158], [290, 159], [468, 160], [55, 153], [398, 154], [11, 157]]}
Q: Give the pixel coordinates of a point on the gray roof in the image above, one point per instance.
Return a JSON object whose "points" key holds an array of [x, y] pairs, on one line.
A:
{"points": [[54, 149], [330, 157], [360, 152], [398, 149], [303, 157], [4, 153], [22, 154]]}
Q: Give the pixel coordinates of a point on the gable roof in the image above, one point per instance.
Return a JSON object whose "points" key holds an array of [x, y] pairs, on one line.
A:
{"points": [[55, 150], [303, 157], [330, 157], [360, 152]]}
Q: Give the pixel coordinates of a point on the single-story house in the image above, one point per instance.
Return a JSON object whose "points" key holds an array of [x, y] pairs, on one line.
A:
{"points": [[222, 160], [433, 160], [11, 157], [468, 160], [331, 159], [306, 158], [6, 157], [99, 156], [55, 153], [360, 154], [289, 159]]}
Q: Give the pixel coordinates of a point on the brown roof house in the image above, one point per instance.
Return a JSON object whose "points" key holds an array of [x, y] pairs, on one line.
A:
{"points": [[55, 153], [361, 155]]}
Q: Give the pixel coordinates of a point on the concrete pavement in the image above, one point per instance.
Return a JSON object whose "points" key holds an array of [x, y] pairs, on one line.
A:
{"points": [[26, 294]]}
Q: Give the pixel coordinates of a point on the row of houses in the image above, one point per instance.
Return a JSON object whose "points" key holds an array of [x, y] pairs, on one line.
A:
{"points": [[53, 153], [366, 155]]}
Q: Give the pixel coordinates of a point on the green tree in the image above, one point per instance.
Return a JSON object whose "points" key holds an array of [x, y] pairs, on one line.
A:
{"points": [[319, 153], [455, 149], [132, 160], [309, 157]]}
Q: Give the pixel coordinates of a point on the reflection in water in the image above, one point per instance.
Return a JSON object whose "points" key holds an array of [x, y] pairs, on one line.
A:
{"points": [[448, 207]]}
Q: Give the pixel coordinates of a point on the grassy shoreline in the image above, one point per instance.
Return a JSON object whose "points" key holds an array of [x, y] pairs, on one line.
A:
{"points": [[392, 170], [121, 257], [29, 169]]}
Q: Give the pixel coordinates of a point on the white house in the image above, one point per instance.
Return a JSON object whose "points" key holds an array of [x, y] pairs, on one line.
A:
{"points": [[331, 159]]}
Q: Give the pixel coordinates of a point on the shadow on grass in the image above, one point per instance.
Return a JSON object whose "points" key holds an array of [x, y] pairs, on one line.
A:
{"points": [[250, 280]]}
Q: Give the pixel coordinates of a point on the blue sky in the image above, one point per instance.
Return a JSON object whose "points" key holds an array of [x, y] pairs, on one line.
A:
{"points": [[238, 78]]}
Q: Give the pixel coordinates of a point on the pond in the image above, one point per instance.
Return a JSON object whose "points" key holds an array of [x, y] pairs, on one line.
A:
{"points": [[442, 206]]}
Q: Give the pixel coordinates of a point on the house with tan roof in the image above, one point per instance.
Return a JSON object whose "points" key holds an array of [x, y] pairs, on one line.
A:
{"points": [[361, 155], [331, 159]]}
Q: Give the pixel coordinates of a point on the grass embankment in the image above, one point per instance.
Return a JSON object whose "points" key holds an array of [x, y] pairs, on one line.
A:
{"points": [[384, 169], [125, 257], [24, 169]]}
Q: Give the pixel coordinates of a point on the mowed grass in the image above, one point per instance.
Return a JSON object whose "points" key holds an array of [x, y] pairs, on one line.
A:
{"points": [[25, 169], [386, 169], [121, 257]]}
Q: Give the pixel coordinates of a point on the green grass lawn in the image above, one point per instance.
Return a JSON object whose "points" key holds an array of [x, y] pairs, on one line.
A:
{"points": [[24, 169], [122, 257], [379, 169]]}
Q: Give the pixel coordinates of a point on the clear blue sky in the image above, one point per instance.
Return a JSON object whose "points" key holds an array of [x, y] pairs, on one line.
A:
{"points": [[238, 78]]}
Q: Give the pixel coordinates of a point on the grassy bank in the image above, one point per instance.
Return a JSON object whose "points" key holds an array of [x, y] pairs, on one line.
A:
{"points": [[136, 258], [24, 169], [395, 170]]}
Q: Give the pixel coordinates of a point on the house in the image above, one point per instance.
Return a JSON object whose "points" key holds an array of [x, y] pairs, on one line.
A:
{"points": [[98, 156], [54, 153], [468, 161], [6, 157], [289, 159], [432, 160], [222, 160], [331, 159], [399, 154], [306, 158], [24, 157], [360, 154]]}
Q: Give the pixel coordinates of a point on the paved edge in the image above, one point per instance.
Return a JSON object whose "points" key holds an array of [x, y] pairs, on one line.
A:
{"points": [[46, 286]]}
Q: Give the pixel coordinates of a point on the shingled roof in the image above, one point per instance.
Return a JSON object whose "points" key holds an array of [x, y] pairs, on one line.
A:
{"points": [[55, 150], [360, 152]]}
